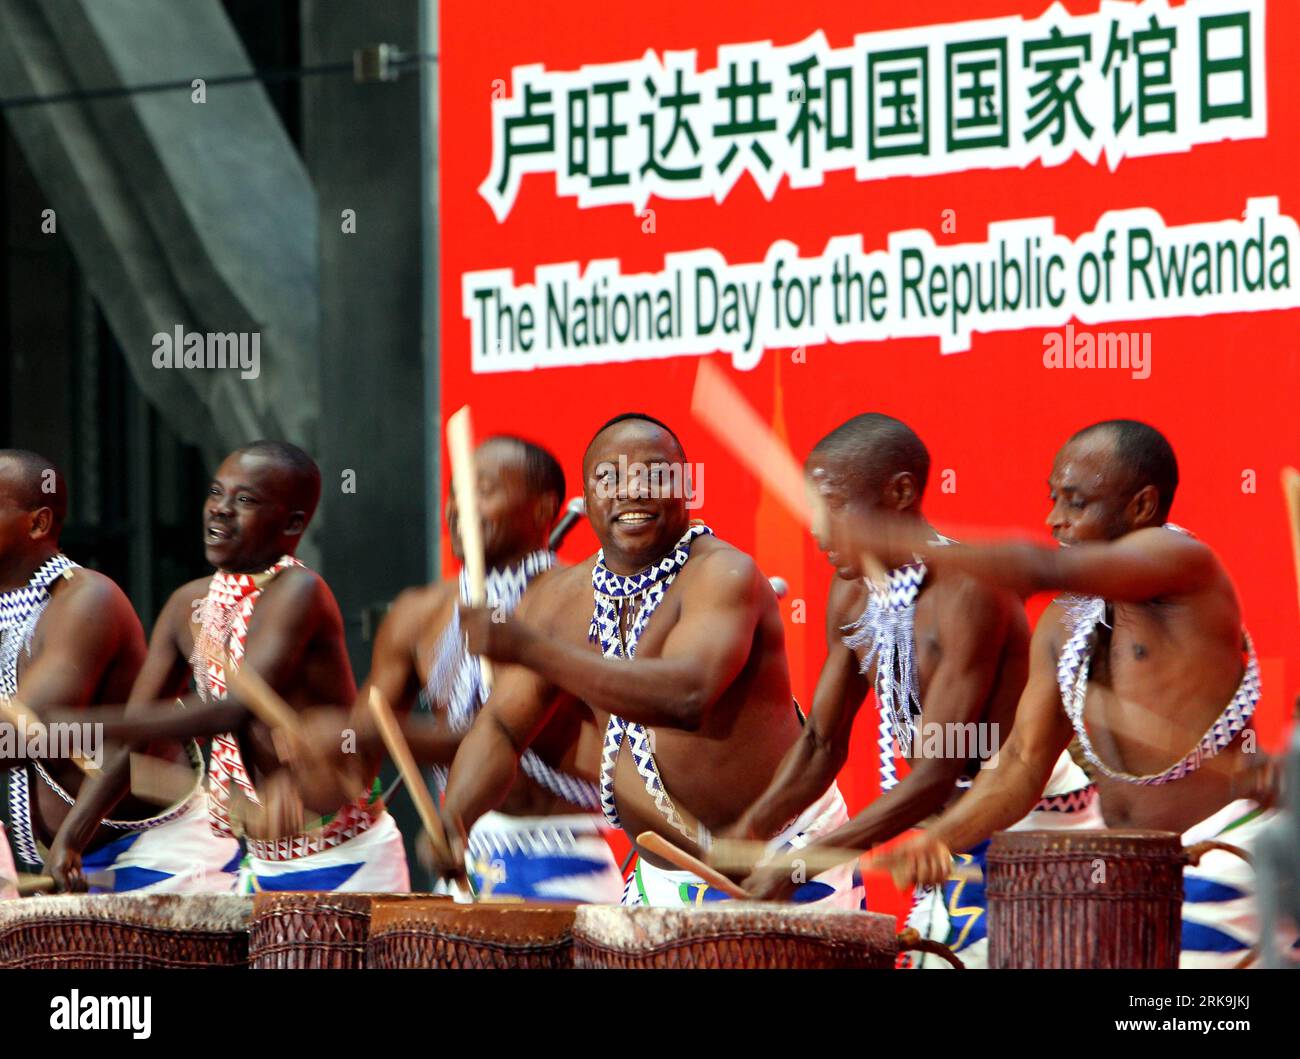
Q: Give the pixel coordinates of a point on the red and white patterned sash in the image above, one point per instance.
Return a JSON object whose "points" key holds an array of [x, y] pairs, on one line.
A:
{"points": [[225, 616]]}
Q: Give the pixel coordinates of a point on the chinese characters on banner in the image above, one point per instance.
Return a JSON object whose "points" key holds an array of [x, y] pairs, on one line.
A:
{"points": [[1127, 81]]}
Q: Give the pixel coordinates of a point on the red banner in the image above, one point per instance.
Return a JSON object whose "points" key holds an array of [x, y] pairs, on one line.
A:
{"points": [[998, 220]]}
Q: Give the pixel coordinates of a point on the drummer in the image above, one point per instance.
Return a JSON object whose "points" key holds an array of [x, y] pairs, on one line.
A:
{"points": [[947, 657], [263, 609], [69, 635], [546, 841], [1145, 661], [674, 639]]}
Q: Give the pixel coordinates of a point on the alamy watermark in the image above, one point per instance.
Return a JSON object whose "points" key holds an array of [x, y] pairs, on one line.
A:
{"points": [[47, 742], [73, 1011], [211, 349], [1123, 350], [966, 741], [658, 480]]}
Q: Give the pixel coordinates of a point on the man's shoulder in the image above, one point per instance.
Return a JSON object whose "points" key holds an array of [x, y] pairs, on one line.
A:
{"points": [[418, 607], [423, 601], [88, 594], [1167, 537], [1050, 631], [299, 584], [721, 559], [846, 603], [182, 606], [559, 591], [847, 599], [562, 581]]}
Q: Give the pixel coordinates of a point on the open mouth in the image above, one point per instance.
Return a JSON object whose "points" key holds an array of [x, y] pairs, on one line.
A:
{"points": [[216, 534], [634, 518]]}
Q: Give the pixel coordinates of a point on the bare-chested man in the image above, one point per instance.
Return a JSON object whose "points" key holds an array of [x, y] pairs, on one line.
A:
{"points": [[266, 611], [69, 636], [1148, 657], [947, 657], [674, 640], [546, 839]]}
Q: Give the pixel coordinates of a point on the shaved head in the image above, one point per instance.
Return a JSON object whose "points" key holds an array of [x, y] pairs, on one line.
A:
{"points": [[637, 417], [32, 482], [542, 471], [301, 476], [871, 448], [1143, 453]]}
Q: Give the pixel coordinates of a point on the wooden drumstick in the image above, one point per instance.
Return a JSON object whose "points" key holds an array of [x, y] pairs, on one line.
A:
{"points": [[260, 697], [26, 885], [1291, 491], [400, 751], [464, 483], [723, 409], [269, 708], [661, 847], [739, 855]]}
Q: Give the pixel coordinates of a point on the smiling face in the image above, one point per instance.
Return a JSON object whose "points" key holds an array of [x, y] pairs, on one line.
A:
{"points": [[635, 516], [249, 519], [1092, 494], [515, 519]]}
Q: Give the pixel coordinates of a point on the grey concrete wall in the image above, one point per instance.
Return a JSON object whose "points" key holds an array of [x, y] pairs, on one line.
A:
{"points": [[179, 213], [362, 145]]}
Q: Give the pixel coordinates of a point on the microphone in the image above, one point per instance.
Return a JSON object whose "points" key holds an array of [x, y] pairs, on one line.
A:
{"points": [[780, 586], [574, 512]]}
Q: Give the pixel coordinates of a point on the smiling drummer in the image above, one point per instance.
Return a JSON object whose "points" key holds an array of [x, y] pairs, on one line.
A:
{"points": [[674, 640]]}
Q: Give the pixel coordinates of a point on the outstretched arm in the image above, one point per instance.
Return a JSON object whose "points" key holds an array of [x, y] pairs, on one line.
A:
{"points": [[1146, 564], [1143, 565], [822, 748], [284, 624], [701, 657], [1003, 794], [485, 763]]}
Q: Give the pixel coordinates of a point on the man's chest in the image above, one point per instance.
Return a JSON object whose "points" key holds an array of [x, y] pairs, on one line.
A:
{"points": [[1130, 644], [911, 641]]}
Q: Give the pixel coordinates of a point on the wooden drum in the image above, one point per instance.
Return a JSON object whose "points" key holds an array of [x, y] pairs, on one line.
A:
{"points": [[437, 933], [121, 931], [1096, 899], [736, 935], [292, 930]]}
